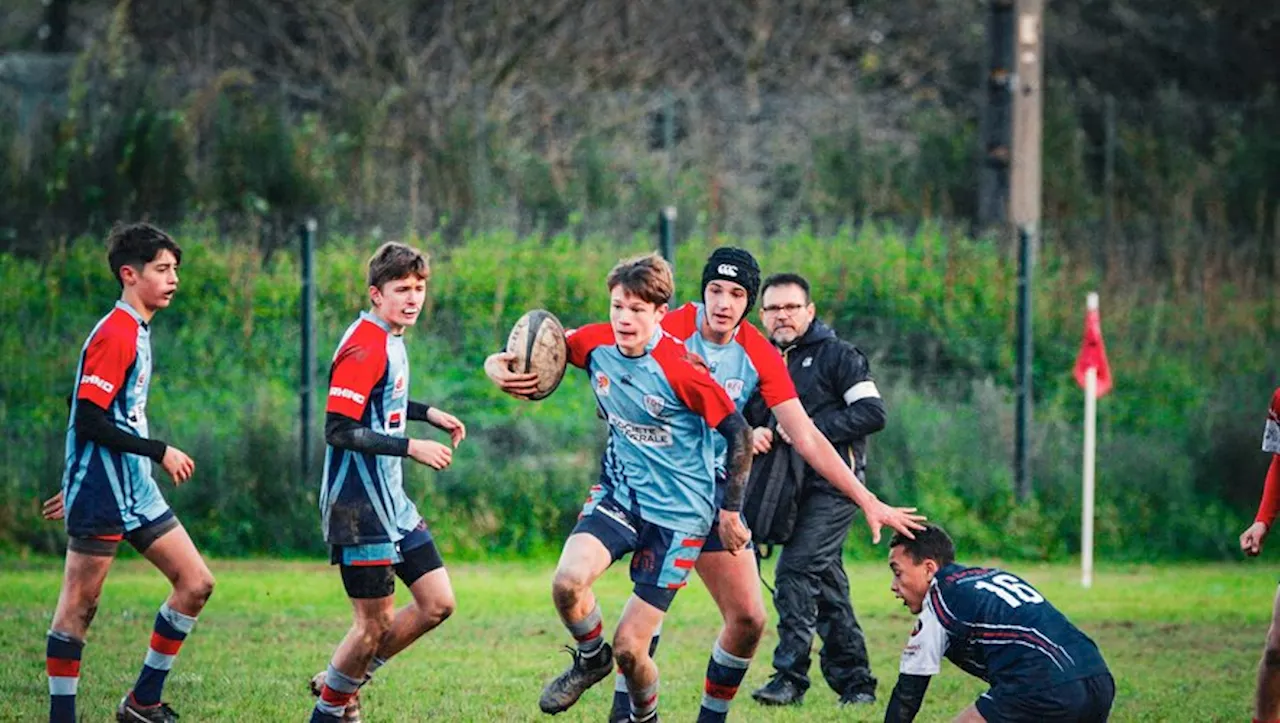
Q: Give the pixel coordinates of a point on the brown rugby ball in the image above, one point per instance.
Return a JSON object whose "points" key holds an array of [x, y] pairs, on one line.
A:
{"points": [[538, 342]]}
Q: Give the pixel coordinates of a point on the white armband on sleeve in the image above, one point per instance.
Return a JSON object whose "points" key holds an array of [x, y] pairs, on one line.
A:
{"points": [[861, 390], [928, 643], [1271, 437]]}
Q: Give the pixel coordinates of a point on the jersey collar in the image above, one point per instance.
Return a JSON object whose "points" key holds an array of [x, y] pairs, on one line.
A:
{"points": [[374, 318], [124, 306]]}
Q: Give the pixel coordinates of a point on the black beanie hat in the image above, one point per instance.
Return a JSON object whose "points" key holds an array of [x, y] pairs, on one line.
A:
{"points": [[737, 265]]}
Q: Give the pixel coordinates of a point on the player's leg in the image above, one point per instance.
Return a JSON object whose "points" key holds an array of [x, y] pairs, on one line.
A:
{"points": [[371, 589], [166, 544], [88, 561], [1267, 699], [422, 571], [586, 555], [660, 566], [639, 621], [733, 581]]}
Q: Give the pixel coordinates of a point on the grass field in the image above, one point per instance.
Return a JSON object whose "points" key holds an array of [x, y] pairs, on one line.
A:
{"points": [[1182, 642]]}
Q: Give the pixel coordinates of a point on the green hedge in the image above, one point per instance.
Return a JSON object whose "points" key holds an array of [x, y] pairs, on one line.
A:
{"points": [[1178, 460]]}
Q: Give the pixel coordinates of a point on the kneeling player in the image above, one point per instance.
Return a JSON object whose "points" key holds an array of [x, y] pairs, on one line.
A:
{"points": [[656, 495], [1267, 697], [373, 528], [995, 626], [108, 492]]}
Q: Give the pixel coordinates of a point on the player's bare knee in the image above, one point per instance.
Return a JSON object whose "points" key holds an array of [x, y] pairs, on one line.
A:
{"points": [[195, 589], [747, 627], [437, 611], [566, 587], [374, 626], [626, 656], [1271, 654]]}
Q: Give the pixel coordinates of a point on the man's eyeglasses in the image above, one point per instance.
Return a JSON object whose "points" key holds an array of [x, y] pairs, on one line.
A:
{"points": [[788, 309]]}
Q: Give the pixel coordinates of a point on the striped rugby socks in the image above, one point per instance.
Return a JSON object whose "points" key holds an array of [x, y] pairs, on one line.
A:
{"points": [[172, 627]]}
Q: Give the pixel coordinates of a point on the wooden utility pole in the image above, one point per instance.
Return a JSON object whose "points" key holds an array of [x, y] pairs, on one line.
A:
{"points": [[993, 169], [1024, 211]]}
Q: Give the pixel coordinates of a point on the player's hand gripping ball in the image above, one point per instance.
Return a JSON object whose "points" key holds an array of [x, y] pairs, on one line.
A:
{"points": [[538, 342]]}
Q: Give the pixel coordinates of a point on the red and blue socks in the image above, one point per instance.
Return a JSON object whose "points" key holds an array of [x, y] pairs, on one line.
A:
{"points": [[644, 704], [621, 698], [725, 672], [62, 663], [172, 627], [338, 690], [589, 632]]}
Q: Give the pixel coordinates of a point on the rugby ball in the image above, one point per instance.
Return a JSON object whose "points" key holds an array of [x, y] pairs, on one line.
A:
{"points": [[538, 342]]}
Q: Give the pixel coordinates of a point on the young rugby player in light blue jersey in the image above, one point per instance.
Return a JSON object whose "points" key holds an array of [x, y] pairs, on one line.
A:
{"points": [[374, 530], [108, 491], [656, 497]]}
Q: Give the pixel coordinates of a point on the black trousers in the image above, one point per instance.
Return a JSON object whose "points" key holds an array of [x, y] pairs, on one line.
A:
{"points": [[812, 595]]}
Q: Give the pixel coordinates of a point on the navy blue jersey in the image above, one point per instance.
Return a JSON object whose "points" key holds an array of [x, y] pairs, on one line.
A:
{"points": [[996, 626]]}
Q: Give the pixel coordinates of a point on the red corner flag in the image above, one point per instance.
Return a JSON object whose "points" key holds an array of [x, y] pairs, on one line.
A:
{"points": [[1092, 352]]}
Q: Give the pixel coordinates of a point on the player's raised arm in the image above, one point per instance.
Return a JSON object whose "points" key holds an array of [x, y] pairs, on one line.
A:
{"points": [[824, 459]]}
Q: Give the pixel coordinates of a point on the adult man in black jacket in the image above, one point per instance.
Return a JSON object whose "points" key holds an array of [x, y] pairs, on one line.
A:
{"points": [[834, 382]]}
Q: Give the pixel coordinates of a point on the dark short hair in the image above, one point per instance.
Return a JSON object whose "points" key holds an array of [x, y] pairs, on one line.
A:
{"points": [[931, 543], [647, 277], [136, 245], [787, 279], [394, 260]]}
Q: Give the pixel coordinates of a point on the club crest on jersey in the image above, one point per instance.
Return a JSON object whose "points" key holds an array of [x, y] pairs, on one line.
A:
{"points": [[733, 387], [654, 405], [400, 387], [602, 384]]}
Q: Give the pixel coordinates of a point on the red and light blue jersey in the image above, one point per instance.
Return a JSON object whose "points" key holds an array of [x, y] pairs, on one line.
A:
{"points": [[1271, 432], [747, 362], [362, 498], [662, 409], [994, 625], [107, 492]]}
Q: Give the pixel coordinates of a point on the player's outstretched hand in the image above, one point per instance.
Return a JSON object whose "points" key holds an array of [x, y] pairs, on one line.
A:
{"points": [[498, 368], [761, 440], [1251, 539], [902, 519], [443, 420], [179, 466], [432, 454], [733, 531], [52, 508]]}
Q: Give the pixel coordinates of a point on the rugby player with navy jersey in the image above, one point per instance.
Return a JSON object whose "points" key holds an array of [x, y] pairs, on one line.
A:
{"points": [[1267, 696], [656, 497], [996, 626], [108, 491], [373, 529], [742, 360]]}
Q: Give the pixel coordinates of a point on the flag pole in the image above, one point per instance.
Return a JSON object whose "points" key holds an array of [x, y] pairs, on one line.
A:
{"points": [[1090, 447]]}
